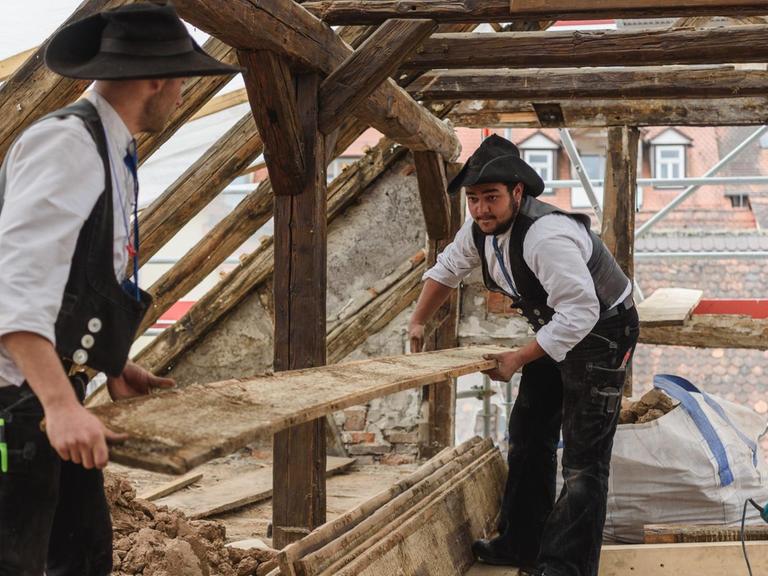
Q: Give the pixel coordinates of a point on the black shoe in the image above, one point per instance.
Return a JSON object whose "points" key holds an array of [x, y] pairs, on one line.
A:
{"points": [[531, 572], [496, 552]]}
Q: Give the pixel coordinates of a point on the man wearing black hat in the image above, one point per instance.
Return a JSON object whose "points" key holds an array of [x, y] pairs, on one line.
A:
{"points": [[68, 190], [579, 302]]}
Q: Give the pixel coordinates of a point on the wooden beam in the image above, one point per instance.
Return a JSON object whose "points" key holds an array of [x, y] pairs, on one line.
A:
{"points": [[210, 420], [711, 331], [9, 65], [367, 67], [546, 84], [604, 113], [600, 48], [376, 11], [285, 106], [430, 172], [620, 204], [222, 102], [287, 28], [439, 399]]}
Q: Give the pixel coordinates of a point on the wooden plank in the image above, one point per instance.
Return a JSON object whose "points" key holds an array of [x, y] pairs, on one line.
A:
{"points": [[668, 307], [367, 67], [715, 559], [287, 28], [679, 533], [430, 173], [168, 488], [639, 83], [598, 48], [376, 11], [711, 331], [237, 492], [603, 113], [176, 430], [620, 205]]}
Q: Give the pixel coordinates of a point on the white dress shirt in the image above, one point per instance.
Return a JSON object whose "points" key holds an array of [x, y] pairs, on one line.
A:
{"points": [[54, 178], [557, 249]]}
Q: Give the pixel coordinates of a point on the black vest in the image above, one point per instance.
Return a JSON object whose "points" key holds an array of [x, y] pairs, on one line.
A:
{"points": [[98, 320], [610, 281]]}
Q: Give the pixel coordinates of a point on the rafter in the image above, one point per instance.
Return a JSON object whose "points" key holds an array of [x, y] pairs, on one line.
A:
{"points": [[639, 83], [602, 113], [288, 29], [376, 11], [601, 48]]}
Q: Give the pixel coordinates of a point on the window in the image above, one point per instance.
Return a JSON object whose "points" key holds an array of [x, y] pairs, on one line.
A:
{"points": [[336, 167], [669, 161], [739, 200], [594, 164], [543, 161]]}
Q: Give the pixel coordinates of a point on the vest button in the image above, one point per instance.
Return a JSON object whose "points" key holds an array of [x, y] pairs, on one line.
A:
{"points": [[541, 321], [87, 341], [537, 311], [94, 325], [80, 357]]}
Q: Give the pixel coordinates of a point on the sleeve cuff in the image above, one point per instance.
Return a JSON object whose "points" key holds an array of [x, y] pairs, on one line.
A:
{"points": [[554, 350], [441, 276]]}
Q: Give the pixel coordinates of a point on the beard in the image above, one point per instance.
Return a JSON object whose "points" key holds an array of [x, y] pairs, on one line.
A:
{"points": [[504, 225]]}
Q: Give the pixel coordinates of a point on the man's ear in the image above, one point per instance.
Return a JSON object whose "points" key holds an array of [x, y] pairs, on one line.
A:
{"points": [[519, 190], [155, 84]]}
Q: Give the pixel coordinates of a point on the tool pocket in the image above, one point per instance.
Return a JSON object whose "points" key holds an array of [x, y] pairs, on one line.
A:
{"points": [[605, 387]]}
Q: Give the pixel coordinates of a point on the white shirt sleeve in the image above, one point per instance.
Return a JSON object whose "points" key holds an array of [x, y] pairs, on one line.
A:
{"points": [[54, 178], [557, 249], [458, 259]]}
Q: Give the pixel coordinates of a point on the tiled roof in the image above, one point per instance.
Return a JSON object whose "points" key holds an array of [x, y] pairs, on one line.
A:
{"points": [[753, 241]]}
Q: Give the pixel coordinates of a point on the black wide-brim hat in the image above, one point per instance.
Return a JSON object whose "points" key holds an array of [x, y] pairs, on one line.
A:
{"points": [[497, 160], [130, 42]]}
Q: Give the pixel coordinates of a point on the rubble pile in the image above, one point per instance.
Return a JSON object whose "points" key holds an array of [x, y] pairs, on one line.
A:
{"points": [[153, 540], [651, 406]]}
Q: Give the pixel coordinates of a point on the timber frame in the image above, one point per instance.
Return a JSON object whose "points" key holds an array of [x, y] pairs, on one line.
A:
{"points": [[313, 90]]}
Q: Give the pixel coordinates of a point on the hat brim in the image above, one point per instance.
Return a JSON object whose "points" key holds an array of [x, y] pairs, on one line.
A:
{"points": [[74, 52], [504, 169]]}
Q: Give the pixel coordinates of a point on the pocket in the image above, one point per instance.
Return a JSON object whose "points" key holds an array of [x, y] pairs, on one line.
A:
{"points": [[606, 386]]}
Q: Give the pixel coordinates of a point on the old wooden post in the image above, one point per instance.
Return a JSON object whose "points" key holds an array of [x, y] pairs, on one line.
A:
{"points": [[285, 106], [620, 203]]}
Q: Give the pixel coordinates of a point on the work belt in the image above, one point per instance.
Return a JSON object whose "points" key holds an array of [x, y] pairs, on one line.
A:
{"points": [[619, 309]]}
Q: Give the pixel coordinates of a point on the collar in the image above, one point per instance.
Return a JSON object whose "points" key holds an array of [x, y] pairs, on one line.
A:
{"points": [[117, 131]]}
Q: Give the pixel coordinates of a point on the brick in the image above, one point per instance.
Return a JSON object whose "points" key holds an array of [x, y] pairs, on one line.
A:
{"points": [[397, 459], [363, 449], [354, 419], [358, 437], [496, 303]]}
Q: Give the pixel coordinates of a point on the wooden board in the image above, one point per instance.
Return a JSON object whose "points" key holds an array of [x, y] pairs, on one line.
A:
{"points": [[680, 533], [713, 559], [668, 307], [236, 492], [176, 430], [170, 487]]}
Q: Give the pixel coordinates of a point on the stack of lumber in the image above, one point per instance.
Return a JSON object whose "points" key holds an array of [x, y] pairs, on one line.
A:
{"points": [[424, 524]]}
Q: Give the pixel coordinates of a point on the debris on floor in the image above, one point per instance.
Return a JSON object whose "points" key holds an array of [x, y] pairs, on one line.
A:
{"points": [[651, 406], [150, 540]]}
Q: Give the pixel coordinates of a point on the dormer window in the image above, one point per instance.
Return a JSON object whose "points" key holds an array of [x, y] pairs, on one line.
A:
{"points": [[668, 156]]}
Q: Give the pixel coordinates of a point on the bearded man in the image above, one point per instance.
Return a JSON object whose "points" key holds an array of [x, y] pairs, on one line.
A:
{"points": [[579, 302]]}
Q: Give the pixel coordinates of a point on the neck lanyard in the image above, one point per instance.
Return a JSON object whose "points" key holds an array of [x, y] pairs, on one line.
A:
{"points": [[131, 161], [500, 258]]}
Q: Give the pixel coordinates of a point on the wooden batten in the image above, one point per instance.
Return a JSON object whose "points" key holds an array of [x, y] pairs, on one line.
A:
{"points": [[222, 102], [640, 83], [367, 67], [9, 65], [288, 29], [376, 11], [540, 113], [601, 48], [711, 331]]}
